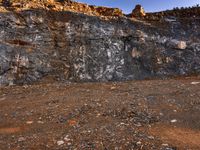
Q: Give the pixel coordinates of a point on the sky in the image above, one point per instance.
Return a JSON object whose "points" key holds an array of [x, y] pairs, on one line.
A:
{"points": [[149, 5]]}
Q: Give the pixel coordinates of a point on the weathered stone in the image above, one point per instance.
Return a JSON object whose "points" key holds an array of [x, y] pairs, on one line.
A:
{"points": [[138, 11], [64, 45], [178, 44], [109, 11]]}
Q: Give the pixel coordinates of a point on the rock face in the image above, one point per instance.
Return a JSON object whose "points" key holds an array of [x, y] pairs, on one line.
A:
{"points": [[37, 44]]}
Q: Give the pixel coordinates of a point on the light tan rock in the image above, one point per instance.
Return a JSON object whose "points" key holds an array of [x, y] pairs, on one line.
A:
{"points": [[138, 11]]}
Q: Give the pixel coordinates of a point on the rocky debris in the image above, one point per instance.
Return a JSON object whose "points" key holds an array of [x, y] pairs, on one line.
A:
{"points": [[138, 11], [112, 115], [136, 116], [171, 15]]}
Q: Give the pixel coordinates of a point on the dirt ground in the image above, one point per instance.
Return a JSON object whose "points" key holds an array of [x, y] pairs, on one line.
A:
{"points": [[133, 115]]}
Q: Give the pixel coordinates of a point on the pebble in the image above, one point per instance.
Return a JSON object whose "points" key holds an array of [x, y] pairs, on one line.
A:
{"points": [[69, 144], [161, 114], [151, 137], [113, 88], [138, 125], [40, 122], [66, 138], [173, 121], [29, 122], [195, 83], [21, 139], [60, 142], [98, 115], [139, 143], [165, 144]]}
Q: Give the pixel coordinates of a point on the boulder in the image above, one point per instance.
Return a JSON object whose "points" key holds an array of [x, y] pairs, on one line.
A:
{"points": [[138, 11]]}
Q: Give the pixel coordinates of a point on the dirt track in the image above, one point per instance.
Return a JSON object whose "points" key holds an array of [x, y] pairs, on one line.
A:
{"points": [[151, 114]]}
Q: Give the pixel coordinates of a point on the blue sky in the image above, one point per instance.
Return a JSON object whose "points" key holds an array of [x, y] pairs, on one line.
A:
{"points": [[149, 5]]}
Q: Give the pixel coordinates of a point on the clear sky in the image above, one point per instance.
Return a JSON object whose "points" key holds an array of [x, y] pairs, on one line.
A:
{"points": [[149, 5]]}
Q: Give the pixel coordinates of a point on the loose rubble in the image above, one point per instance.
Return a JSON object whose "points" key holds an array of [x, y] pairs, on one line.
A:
{"points": [[123, 115]]}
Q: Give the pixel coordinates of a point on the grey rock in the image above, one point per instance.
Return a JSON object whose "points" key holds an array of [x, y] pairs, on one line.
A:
{"points": [[35, 44]]}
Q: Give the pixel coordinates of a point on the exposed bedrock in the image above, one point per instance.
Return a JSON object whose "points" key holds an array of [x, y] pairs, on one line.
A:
{"points": [[38, 44]]}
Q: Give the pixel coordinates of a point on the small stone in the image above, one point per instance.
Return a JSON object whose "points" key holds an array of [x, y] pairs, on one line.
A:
{"points": [[40, 122], [60, 142], [122, 123], [182, 45], [159, 61], [21, 139], [66, 138], [138, 125], [98, 115], [25, 86], [29, 122], [69, 144], [195, 83], [178, 44], [139, 143], [150, 137], [165, 145], [161, 114], [173, 121], [113, 88]]}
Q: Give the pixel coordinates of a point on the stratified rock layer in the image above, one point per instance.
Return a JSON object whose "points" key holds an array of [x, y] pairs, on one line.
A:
{"points": [[63, 45]]}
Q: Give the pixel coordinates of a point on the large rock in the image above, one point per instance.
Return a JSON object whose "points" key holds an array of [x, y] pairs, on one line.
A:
{"points": [[138, 11]]}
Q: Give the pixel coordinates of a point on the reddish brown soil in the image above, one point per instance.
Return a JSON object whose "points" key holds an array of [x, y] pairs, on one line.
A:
{"points": [[103, 116]]}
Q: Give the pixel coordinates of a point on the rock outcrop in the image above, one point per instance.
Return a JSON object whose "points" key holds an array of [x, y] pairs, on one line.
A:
{"points": [[138, 11], [53, 41]]}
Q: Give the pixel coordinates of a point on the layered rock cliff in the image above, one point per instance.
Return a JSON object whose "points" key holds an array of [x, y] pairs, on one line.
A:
{"points": [[54, 40]]}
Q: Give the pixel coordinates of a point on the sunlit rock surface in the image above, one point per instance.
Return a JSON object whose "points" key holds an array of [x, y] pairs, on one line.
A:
{"points": [[38, 43], [138, 11]]}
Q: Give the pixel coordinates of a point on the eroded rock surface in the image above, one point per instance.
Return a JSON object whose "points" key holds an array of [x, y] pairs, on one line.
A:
{"points": [[52, 42], [138, 11]]}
